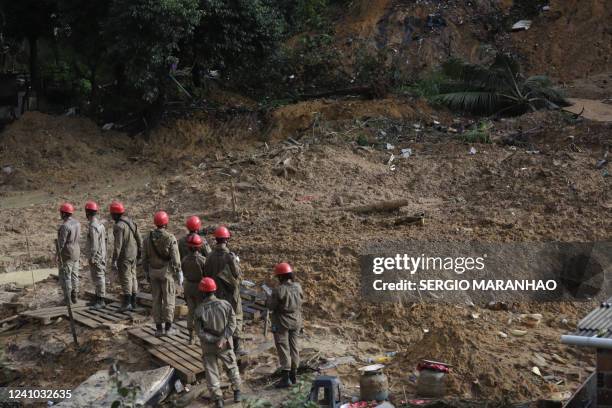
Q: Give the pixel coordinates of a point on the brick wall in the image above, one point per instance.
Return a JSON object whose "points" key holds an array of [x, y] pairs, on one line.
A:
{"points": [[604, 378]]}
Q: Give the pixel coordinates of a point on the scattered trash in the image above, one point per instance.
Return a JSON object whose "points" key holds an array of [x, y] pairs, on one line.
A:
{"points": [[425, 331], [498, 305], [389, 146], [71, 111], [108, 126], [545, 8], [178, 386], [605, 173], [502, 335], [522, 25], [518, 333], [560, 396], [531, 320], [335, 362], [406, 153], [536, 371], [8, 170], [472, 151], [532, 152], [475, 316], [384, 359], [601, 163], [390, 162]]}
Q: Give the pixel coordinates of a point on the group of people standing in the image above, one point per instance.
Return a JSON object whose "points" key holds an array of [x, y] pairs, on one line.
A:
{"points": [[210, 277]]}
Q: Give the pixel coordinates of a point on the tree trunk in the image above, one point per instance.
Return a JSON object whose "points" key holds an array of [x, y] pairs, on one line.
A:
{"points": [[34, 76]]}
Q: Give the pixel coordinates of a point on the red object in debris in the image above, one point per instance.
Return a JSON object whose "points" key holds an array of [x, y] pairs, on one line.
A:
{"points": [[427, 365], [305, 199]]}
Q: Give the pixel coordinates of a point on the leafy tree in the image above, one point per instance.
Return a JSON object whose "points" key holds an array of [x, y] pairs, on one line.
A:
{"points": [[82, 31], [236, 33], [143, 38], [495, 89], [29, 20]]}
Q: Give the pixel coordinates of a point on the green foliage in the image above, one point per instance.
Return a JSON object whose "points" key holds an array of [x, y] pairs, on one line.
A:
{"points": [[495, 89], [481, 133], [298, 395], [256, 403], [144, 37], [238, 32], [303, 15]]}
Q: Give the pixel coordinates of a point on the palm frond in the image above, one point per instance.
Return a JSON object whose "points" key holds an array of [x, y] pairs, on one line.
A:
{"points": [[474, 101]]}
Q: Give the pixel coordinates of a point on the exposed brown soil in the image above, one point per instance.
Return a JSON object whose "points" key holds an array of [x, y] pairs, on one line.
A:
{"points": [[499, 194]]}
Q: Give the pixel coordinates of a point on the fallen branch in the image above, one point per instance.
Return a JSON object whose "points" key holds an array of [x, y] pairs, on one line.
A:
{"points": [[383, 206]]}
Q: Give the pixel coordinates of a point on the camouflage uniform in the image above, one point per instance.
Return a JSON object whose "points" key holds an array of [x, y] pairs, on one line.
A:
{"points": [[184, 248], [215, 320], [96, 248], [222, 265], [128, 247], [285, 305], [160, 261], [69, 252], [193, 266]]}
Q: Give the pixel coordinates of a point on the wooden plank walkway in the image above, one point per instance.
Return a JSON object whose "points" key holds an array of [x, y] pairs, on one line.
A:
{"points": [[173, 350], [109, 315], [48, 314]]}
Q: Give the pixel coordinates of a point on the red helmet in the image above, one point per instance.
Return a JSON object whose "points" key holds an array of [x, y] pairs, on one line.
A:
{"points": [[193, 223], [91, 206], [283, 268], [67, 208], [160, 219], [222, 232], [207, 285], [194, 241], [117, 208]]}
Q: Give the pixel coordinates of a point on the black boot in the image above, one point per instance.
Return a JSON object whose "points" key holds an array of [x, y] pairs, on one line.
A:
{"points": [[237, 397], [73, 296], [219, 403], [169, 329], [293, 376], [126, 305], [133, 301], [284, 382], [99, 304], [159, 330]]}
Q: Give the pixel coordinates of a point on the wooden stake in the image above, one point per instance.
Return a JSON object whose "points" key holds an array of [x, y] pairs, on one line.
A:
{"points": [[27, 234]]}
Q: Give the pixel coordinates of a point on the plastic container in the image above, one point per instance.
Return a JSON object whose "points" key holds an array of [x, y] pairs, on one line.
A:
{"points": [[373, 385], [431, 383]]}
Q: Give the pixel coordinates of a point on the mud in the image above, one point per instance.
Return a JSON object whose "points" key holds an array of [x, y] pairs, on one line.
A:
{"points": [[502, 193]]}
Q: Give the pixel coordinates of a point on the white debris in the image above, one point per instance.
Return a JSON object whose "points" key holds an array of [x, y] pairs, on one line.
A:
{"points": [[472, 151], [108, 126], [406, 153], [522, 25]]}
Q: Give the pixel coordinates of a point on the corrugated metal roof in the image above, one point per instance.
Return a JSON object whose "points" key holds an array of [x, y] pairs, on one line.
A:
{"points": [[598, 323]]}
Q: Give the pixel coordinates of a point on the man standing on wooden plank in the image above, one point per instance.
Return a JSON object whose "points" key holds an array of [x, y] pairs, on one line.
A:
{"points": [[193, 267], [96, 248], [215, 323], [285, 303], [224, 267], [162, 264], [194, 226], [127, 251], [68, 252]]}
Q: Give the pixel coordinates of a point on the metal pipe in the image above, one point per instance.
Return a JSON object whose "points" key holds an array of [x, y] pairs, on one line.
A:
{"points": [[596, 342]]}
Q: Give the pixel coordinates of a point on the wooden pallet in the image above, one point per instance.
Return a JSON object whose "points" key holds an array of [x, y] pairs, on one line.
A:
{"points": [[173, 350], [109, 315], [48, 314]]}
